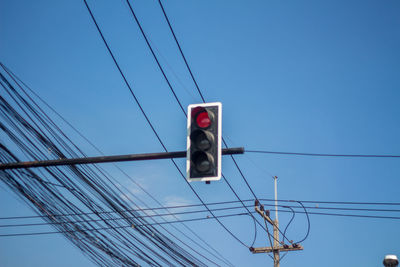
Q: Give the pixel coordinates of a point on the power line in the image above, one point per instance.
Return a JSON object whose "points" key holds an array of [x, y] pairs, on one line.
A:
{"points": [[237, 201], [186, 227], [346, 215], [335, 202], [114, 219], [14, 77], [291, 219], [180, 50], [115, 61], [125, 226], [202, 97], [323, 155], [145, 209], [198, 89], [155, 57], [148, 121], [196, 211], [219, 216], [308, 223], [37, 128]]}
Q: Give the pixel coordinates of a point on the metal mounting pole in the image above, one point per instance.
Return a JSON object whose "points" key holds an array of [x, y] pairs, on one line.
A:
{"points": [[276, 197], [276, 227], [103, 159]]}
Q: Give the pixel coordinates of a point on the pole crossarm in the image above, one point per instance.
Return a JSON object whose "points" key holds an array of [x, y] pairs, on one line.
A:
{"points": [[280, 248], [104, 159], [265, 216]]}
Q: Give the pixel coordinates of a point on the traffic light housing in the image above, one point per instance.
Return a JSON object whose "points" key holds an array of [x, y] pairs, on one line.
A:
{"points": [[203, 162]]}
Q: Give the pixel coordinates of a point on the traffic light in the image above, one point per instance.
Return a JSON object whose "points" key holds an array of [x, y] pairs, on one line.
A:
{"points": [[203, 162]]}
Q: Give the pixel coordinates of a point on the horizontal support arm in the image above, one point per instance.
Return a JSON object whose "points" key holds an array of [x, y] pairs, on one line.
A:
{"points": [[262, 213], [104, 159], [280, 249]]}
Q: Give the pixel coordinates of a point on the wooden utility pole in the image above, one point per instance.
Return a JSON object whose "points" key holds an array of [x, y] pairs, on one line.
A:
{"points": [[276, 243], [277, 247]]}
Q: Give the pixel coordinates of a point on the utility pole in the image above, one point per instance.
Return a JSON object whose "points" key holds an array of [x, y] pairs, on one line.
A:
{"points": [[276, 247]]}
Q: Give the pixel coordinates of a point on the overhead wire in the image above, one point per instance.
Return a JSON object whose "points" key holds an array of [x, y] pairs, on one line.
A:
{"points": [[192, 212], [308, 223], [147, 119], [40, 134], [269, 236], [15, 78], [136, 226], [287, 226], [176, 98], [346, 215], [203, 99], [336, 202], [180, 105], [141, 209], [305, 210], [254, 151], [197, 86], [323, 154], [291, 219], [181, 51], [113, 219], [230, 215], [155, 57], [225, 203]]}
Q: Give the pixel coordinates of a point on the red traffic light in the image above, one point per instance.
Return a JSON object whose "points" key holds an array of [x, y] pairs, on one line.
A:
{"points": [[203, 119]]}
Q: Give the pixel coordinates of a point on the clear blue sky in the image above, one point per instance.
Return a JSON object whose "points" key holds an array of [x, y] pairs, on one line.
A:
{"points": [[309, 76]]}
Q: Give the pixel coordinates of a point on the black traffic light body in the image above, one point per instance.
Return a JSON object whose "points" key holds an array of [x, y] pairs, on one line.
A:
{"points": [[203, 162]]}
